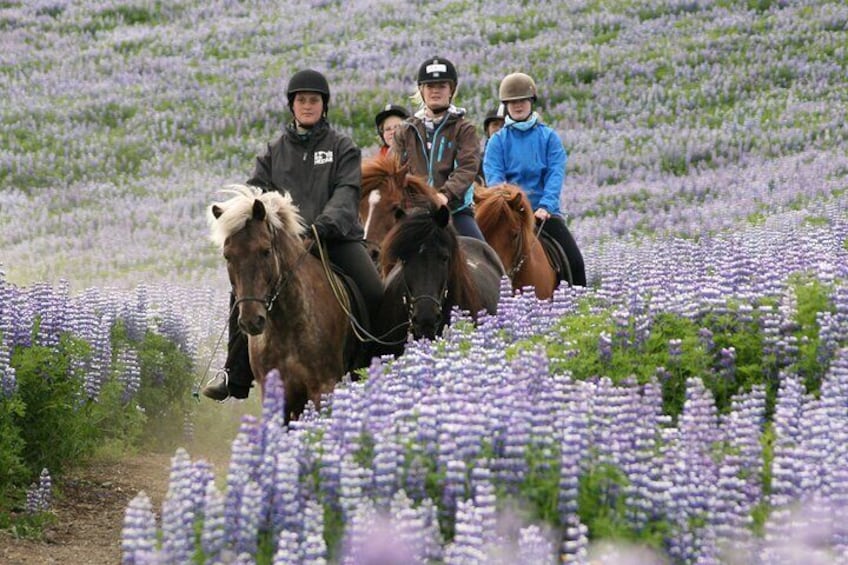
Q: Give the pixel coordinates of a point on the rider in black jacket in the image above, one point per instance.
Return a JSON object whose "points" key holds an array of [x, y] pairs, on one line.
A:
{"points": [[321, 170]]}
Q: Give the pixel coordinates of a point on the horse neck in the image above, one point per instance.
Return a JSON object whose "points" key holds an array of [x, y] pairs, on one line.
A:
{"points": [[299, 270], [461, 288]]}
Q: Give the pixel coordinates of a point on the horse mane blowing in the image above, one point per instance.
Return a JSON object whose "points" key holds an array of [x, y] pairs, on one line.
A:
{"points": [[385, 171], [228, 217]]}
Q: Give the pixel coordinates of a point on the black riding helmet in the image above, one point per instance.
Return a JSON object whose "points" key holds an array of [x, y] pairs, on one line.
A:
{"points": [[437, 69], [495, 114], [308, 81], [390, 110]]}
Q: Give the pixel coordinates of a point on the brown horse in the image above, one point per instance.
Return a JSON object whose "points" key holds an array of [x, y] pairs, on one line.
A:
{"points": [[506, 219], [291, 312], [388, 190]]}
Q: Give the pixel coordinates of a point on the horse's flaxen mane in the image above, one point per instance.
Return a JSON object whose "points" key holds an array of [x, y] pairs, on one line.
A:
{"points": [[281, 212], [419, 228], [505, 203], [385, 173]]}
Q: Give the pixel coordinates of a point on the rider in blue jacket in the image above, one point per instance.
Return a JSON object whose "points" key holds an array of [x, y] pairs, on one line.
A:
{"points": [[528, 153]]}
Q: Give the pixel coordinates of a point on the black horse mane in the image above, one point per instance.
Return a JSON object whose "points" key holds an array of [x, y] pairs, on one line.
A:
{"points": [[420, 227]]}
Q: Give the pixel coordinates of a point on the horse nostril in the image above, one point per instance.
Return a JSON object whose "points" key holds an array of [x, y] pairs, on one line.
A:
{"points": [[254, 326]]}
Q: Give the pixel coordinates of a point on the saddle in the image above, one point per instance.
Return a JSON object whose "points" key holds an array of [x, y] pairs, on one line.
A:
{"points": [[556, 257], [354, 302]]}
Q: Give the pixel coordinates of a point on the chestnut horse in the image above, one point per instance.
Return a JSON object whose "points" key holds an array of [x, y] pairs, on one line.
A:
{"points": [[388, 190], [506, 219], [291, 312], [428, 270]]}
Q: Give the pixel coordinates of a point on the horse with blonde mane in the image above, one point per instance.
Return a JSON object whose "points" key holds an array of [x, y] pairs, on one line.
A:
{"points": [[294, 311]]}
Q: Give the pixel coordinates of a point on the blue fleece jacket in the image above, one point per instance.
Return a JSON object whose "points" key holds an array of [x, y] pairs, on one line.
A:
{"points": [[534, 159]]}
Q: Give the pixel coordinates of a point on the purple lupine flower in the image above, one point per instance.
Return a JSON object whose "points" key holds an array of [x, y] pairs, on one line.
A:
{"points": [[705, 337], [533, 547], [130, 374], [787, 466], [212, 537], [575, 541], [138, 539], [573, 450], [467, 546], [605, 346], [455, 485], [485, 501], [249, 520], [135, 314], [388, 459], [675, 349], [243, 461], [371, 538], [742, 429], [409, 526], [179, 509], [8, 380], [355, 482], [286, 500], [693, 474], [39, 497], [727, 363], [288, 551], [313, 549]]}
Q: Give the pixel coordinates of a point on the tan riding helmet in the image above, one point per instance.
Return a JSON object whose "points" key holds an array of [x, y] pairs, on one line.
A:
{"points": [[517, 86]]}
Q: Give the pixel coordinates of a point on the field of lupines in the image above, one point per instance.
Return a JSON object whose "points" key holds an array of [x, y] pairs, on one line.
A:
{"points": [[693, 401]]}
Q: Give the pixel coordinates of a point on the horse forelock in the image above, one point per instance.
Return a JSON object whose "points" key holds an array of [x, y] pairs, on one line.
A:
{"points": [[505, 203], [281, 212], [419, 228]]}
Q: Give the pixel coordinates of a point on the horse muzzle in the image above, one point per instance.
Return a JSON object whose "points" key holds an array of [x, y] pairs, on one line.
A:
{"points": [[253, 325]]}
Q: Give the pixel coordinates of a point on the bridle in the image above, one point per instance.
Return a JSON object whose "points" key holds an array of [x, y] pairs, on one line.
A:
{"points": [[284, 277], [410, 300], [520, 253]]}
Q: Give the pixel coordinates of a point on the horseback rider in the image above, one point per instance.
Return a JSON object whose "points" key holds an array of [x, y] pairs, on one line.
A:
{"points": [[388, 121], [320, 168], [492, 124], [530, 154], [439, 144]]}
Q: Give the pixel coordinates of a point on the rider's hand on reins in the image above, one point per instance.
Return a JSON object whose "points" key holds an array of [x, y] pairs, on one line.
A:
{"points": [[542, 214]]}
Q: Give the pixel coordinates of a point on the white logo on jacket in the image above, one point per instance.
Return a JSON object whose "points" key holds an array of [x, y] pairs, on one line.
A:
{"points": [[323, 157]]}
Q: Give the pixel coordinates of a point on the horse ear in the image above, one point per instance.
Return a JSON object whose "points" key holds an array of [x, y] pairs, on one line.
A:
{"points": [[258, 210], [217, 211], [442, 216]]}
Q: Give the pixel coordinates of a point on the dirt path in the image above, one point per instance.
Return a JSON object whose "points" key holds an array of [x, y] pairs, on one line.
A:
{"points": [[90, 501], [90, 512]]}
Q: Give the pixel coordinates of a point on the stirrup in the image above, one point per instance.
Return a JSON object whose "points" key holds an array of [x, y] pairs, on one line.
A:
{"points": [[217, 388]]}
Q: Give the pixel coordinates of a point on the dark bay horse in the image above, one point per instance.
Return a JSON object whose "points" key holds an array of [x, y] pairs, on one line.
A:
{"points": [[506, 219], [289, 309], [428, 269]]}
